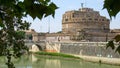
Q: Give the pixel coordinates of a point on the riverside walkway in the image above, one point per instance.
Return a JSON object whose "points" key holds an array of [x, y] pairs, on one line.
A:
{"points": [[112, 61]]}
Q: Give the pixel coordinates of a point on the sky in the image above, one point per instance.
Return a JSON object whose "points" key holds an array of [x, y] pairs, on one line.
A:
{"points": [[55, 24]]}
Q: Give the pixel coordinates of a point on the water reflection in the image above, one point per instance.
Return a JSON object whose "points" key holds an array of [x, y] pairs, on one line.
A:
{"points": [[52, 63], [33, 61]]}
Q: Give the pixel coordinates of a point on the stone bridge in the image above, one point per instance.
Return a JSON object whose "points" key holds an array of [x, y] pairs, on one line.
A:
{"points": [[40, 45], [78, 48]]}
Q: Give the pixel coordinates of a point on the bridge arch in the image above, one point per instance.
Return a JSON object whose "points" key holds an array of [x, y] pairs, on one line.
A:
{"points": [[36, 48]]}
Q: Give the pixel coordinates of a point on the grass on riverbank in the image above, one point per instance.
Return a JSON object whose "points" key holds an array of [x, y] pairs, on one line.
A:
{"points": [[57, 55]]}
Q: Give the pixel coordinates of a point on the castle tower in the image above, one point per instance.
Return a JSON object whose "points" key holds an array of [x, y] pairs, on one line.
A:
{"points": [[84, 19]]}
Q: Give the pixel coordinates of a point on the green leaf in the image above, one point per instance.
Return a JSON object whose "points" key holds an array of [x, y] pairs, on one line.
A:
{"points": [[40, 8], [110, 44], [28, 3], [51, 10], [1, 24], [112, 6], [117, 38], [118, 49], [44, 2]]}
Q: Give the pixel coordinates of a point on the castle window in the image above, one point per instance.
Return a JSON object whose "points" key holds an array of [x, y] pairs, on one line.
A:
{"points": [[66, 19], [90, 19], [102, 19], [73, 15], [96, 19], [87, 15], [83, 19]]}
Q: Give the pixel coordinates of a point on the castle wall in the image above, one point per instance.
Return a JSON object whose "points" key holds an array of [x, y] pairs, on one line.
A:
{"points": [[57, 38]]}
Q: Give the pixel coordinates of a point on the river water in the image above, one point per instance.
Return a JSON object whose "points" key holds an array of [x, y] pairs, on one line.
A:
{"points": [[33, 61]]}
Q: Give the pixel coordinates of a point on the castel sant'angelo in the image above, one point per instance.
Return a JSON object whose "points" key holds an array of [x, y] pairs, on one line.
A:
{"points": [[84, 24]]}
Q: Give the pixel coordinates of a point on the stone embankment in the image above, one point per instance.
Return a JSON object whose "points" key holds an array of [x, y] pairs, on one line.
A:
{"points": [[89, 51], [112, 61]]}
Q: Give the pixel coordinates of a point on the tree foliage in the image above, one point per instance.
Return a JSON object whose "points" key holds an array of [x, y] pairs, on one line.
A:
{"points": [[11, 14], [114, 42], [113, 8]]}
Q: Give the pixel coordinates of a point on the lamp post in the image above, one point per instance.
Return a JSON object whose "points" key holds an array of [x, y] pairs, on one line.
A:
{"points": [[106, 37]]}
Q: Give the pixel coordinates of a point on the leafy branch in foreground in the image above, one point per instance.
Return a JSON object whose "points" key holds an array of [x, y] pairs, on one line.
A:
{"points": [[112, 44], [112, 6], [11, 14]]}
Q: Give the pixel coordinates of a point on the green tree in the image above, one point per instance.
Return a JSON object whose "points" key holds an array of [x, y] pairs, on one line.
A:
{"points": [[113, 8], [11, 14]]}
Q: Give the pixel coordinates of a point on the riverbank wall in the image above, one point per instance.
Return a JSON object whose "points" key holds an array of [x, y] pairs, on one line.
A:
{"points": [[100, 60], [97, 49], [89, 51]]}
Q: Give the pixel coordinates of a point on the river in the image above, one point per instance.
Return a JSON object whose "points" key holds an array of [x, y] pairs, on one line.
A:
{"points": [[33, 61]]}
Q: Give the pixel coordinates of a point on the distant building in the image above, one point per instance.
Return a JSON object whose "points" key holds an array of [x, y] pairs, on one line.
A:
{"points": [[84, 24], [29, 35], [57, 37], [84, 19]]}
